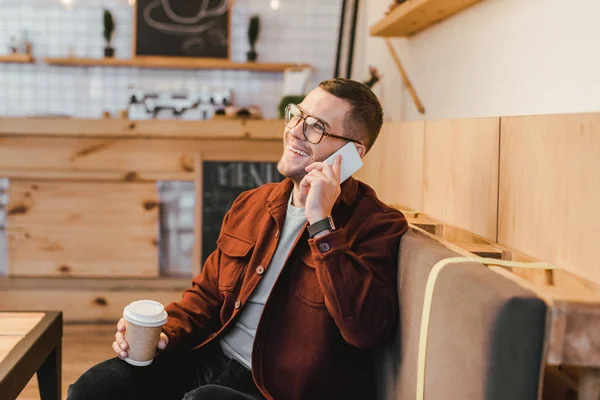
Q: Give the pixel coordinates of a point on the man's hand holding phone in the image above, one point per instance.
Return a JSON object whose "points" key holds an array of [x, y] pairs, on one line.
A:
{"points": [[320, 188]]}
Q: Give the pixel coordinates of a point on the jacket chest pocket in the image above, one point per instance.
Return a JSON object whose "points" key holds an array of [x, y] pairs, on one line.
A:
{"points": [[309, 291], [235, 255]]}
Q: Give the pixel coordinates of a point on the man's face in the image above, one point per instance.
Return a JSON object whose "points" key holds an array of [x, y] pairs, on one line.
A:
{"points": [[298, 152]]}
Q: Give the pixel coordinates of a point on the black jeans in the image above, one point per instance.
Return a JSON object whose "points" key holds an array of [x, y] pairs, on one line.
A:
{"points": [[200, 375]]}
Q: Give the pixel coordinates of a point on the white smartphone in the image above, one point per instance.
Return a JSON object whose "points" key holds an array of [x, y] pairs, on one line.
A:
{"points": [[351, 161]]}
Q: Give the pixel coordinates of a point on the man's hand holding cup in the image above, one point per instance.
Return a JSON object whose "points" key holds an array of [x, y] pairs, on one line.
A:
{"points": [[139, 332]]}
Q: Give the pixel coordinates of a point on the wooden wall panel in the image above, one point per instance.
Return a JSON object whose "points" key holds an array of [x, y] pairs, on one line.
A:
{"points": [[82, 229], [370, 173], [461, 173], [550, 189], [81, 305], [394, 166], [130, 157], [402, 168]]}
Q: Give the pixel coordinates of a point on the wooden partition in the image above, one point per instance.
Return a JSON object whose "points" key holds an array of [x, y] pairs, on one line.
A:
{"points": [[448, 169], [531, 183], [461, 173], [394, 166], [549, 205]]}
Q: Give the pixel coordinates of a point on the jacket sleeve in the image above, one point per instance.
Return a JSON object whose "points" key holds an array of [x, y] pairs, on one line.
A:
{"points": [[358, 276], [196, 315]]}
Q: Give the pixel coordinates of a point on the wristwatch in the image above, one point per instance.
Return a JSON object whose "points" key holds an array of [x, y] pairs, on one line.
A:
{"points": [[320, 226]]}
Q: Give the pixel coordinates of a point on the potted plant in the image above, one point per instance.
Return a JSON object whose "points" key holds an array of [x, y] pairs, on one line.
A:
{"points": [[253, 31], [109, 30]]}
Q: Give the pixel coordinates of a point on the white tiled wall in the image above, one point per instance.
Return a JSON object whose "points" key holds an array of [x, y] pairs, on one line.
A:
{"points": [[302, 32]]}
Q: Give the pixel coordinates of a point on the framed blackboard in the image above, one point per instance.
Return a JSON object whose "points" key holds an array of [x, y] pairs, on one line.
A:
{"points": [[222, 183], [182, 28]]}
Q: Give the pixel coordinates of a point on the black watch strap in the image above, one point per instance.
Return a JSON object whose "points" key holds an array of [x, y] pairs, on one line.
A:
{"points": [[320, 226]]}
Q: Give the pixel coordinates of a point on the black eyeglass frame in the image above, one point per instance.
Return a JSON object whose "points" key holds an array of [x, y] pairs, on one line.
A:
{"points": [[305, 125]]}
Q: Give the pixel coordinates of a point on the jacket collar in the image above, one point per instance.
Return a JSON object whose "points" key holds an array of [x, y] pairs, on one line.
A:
{"points": [[281, 193]]}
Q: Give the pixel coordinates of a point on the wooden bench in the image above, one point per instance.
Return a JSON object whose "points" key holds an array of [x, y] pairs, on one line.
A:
{"points": [[30, 343]]}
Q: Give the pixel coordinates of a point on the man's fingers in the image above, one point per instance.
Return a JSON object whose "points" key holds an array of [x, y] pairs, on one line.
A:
{"points": [[337, 166], [164, 338], [315, 173], [331, 171], [120, 352], [121, 325], [120, 339], [316, 165]]}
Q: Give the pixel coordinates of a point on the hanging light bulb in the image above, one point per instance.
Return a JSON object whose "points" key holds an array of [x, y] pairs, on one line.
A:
{"points": [[274, 5]]}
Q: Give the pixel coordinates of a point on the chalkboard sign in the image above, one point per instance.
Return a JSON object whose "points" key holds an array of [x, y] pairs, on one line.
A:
{"points": [[182, 28], [223, 182]]}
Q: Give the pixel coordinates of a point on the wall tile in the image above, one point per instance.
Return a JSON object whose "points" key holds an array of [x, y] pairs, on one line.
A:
{"points": [[306, 34]]}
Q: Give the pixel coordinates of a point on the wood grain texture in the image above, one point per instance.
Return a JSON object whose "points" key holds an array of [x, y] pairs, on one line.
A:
{"points": [[394, 166], [17, 58], [219, 129], [82, 229], [573, 334], [14, 327], [7, 343], [589, 384], [550, 189], [83, 347], [18, 323], [413, 16], [461, 173], [130, 157], [172, 63], [80, 305]]}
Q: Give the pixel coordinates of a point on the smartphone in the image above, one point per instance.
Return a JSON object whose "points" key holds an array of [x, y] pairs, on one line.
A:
{"points": [[351, 161]]}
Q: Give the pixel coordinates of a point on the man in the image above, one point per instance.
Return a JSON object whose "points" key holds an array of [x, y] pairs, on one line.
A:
{"points": [[289, 304]]}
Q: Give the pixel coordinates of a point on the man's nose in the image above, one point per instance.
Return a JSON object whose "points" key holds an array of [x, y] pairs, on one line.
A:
{"points": [[296, 132]]}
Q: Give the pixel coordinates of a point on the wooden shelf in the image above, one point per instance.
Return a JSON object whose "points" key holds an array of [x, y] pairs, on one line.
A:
{"points": [[267, 129], [170, 63], [17, 58], [414, 16]]}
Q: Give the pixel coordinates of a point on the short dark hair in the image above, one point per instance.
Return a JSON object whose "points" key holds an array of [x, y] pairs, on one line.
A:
{"points": [[365, 118]]}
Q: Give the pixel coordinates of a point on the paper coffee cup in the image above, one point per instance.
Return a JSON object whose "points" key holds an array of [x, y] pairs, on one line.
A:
{"points": [[143, 323]]}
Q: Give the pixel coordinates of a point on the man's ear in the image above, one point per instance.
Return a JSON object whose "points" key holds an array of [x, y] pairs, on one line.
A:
{"points": [[362, 150]]}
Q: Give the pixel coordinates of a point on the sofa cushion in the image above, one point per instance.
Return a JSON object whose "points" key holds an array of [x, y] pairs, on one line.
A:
{"points": [[486, 332]]}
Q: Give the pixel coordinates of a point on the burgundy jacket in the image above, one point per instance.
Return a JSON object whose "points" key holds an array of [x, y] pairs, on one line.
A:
{"points": [[334, 299]]}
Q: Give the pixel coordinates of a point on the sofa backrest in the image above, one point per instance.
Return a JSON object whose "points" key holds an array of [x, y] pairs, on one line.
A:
{"points": [[486, 333]]}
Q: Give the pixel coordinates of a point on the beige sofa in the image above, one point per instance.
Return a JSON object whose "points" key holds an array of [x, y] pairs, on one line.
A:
{"points": [[486, 333]]}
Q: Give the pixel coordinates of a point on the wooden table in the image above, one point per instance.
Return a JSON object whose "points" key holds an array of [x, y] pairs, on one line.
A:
{"points": [[30, 343]]}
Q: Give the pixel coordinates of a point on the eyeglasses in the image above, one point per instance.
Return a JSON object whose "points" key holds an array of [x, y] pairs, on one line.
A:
{"points": [[312, 128]]}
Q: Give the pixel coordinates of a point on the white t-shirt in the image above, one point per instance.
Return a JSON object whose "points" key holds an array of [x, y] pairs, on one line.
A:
{"points": [[237, 343]]}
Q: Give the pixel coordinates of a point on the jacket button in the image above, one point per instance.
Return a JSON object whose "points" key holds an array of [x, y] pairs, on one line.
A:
{"points": [[237, 304], [324, 247], [260, 270]]}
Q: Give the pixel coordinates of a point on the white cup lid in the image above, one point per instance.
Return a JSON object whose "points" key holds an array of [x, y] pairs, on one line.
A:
{"points": [[148, 313]]}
